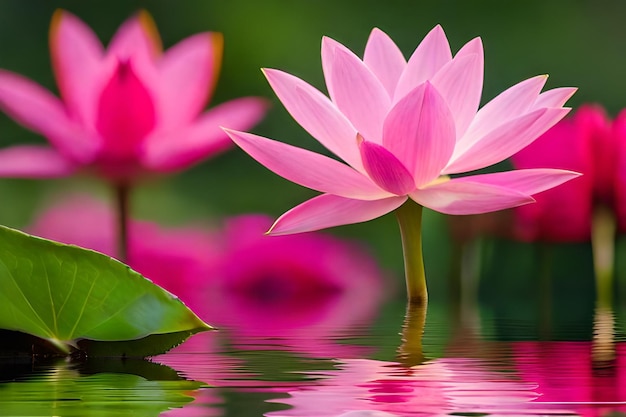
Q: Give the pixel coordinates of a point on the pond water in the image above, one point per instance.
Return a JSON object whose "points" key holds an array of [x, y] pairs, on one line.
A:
{"points": [[473, 359]]}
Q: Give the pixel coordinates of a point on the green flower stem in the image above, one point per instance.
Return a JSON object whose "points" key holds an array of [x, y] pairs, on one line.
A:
{"points": [[603, 244], [122, 193], [409, 217]]}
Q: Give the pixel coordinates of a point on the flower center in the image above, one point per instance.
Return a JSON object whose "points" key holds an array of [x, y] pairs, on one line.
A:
{"points": [[126, 113]]}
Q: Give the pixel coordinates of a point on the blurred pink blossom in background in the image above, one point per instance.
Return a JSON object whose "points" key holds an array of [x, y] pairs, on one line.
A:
{"points": [[126, 110], [178, 259], [403, 127], [590, 143], [300, 290]]}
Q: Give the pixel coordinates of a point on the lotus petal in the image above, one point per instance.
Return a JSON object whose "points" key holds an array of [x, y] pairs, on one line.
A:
{"points": [[37, 109], [30, 161], [79, 66], [173, 150], [307, 168], [317, 115], [429, 57], [329, 210], [359, 95], [187, 75], [419, 130], [505, 140], [461, 196], [384, 59]]}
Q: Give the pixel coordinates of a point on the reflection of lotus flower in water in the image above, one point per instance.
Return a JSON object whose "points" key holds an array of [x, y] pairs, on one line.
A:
{"points": [[565, 376], [199, 359], [441, 386], [301, 290]]}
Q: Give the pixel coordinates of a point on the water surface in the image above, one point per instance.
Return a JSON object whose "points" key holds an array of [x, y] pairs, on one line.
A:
{"points": [[467, 363]]}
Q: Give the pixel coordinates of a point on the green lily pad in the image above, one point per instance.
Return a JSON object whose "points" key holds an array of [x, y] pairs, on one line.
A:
{"points": [[63, 294]]}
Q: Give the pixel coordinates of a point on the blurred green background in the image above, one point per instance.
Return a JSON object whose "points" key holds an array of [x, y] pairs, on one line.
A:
{"points": [[579, 43]]}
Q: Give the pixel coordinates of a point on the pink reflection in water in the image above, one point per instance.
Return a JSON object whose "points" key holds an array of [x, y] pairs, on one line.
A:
{"points": [[449, 385], [199, 359], [566, 375]]}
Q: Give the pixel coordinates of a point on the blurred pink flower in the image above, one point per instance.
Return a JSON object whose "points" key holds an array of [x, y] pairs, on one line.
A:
{"points": [[565, 374], [126, 110], [302, 291], [588, 143], [402, 128]]}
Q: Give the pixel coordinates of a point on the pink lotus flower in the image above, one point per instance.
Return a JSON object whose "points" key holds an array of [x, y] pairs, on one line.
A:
{"points": [[126, 110], [403, 128], [587, 143]]}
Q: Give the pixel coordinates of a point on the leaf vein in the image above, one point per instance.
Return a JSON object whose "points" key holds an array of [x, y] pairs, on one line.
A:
{"points": [[54, 313], [42, 323], [79, 316]]}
